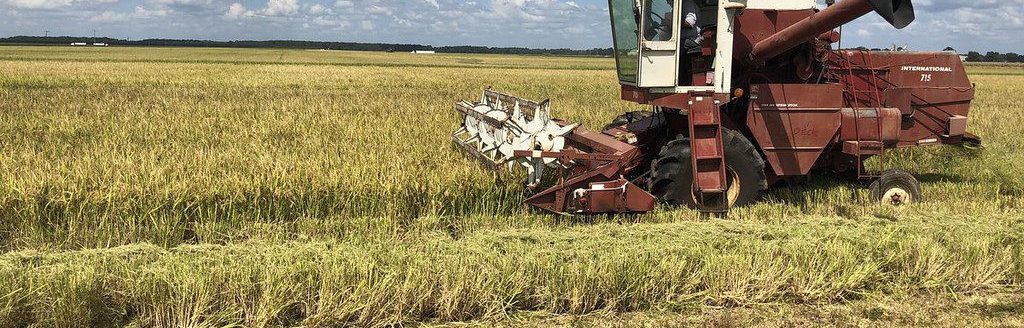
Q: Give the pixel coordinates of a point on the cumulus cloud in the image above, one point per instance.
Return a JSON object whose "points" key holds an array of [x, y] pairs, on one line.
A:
{"points": [[143, 12], [281, 8], [317, 10], [109, 17], [191, 8], [39, 4], [235, 11], [140, 12], [54, 4]]}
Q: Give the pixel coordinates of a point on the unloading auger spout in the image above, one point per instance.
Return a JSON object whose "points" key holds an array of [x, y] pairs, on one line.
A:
{"points": [[503, 130]]}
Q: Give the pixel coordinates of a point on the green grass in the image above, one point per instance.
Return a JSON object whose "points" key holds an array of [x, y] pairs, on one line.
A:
{"points": [[209, 187]]}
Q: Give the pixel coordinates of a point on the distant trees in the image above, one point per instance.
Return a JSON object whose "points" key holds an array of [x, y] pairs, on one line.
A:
{"points": [[289, 44], [995, 57]]}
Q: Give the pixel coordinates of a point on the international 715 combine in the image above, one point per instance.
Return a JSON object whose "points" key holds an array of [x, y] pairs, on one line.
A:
{"points": [[759, 96]]}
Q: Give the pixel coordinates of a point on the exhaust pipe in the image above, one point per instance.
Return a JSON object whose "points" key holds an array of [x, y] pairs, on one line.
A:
{"points": [[899, 13]]}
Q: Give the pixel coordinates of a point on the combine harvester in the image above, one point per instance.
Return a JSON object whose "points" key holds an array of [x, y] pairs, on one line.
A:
{"points": [[772, 103]]}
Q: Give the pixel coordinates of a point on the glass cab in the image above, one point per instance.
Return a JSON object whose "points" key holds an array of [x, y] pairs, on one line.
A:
{"points": [[653, 49], [657, 47]]}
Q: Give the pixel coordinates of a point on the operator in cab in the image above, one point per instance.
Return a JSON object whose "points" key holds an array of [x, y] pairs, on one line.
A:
{"points": [[691, 36], [659, 23], [659, 27], [691, 33]]}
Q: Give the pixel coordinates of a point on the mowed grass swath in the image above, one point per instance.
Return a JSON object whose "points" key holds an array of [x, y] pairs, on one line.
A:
{"points": [[171, 187]]}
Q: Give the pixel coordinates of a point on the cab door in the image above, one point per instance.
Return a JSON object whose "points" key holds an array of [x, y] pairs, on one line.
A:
{"points": [[625, 17], [659, 43]]}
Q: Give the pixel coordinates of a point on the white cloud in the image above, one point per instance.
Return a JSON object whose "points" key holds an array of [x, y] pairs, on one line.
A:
{"points": [[52, 4], [39, 4], [281, 8], [379, 10], [142, 12], [109, 17], [235, 11], [317, 9], [188, 4]]}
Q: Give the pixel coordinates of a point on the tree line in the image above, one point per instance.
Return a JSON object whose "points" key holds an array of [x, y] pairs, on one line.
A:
{"points": [[290, 44], [995, 57]]}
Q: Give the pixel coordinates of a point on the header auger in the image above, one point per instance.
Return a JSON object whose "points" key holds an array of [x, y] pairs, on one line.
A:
{"points": [[743, 94]]}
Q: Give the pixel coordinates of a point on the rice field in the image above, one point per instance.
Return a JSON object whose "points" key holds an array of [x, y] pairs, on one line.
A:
{"points": [[165, 187]]}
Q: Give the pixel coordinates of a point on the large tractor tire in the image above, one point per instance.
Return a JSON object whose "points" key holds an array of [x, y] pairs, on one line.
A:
{"points": [[672, 172]]}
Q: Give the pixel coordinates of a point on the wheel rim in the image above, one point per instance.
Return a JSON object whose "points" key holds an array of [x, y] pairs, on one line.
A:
{"points": [[897, 196], [732, 192]]}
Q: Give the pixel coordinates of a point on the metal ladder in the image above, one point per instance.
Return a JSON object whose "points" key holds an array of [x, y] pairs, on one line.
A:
{"points": [[865, 149], [707, 153]]}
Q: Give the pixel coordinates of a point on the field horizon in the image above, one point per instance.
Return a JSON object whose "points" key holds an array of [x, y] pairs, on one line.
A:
{"points": [[174, 187]]}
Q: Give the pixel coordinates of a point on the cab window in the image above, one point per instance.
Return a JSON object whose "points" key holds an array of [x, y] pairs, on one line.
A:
{"points": [[658, 19]]}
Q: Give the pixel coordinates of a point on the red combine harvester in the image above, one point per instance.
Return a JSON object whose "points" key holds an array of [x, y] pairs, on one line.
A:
{"points": [[760, 97]]}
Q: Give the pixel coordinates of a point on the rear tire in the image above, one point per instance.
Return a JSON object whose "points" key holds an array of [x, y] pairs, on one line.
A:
{"points": [[896, 188], [672, 172]]}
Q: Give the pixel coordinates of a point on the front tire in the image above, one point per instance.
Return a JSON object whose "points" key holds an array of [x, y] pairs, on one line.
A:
{"points": [[672, 172]]}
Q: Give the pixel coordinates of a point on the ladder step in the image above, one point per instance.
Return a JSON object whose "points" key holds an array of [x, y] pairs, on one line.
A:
{"points": [[871, 145], [704, 118], [706, 148], [863, 147], [708, 157]]}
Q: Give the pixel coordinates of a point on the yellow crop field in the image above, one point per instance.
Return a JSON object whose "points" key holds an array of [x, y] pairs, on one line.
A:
{"points": [[176, 187]]}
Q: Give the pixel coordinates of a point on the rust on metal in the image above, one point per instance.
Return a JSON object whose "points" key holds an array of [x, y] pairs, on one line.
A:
{"points": [[794, 123]]}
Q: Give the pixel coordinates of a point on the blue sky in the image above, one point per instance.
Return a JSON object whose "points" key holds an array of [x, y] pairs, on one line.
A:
{"points": [[966, 25]]}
